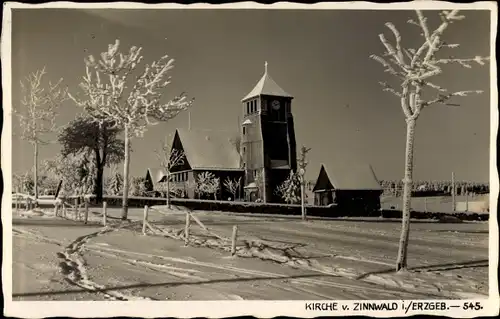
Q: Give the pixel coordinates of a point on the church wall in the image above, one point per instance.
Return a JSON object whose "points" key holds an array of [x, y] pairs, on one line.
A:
{"points": [[292, 143], [252, 147], [223, 193]]}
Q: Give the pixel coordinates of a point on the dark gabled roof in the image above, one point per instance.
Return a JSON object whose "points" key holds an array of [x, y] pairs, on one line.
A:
{"points": [[158, 175], [266, 86], [352, 176], [210, 149]]}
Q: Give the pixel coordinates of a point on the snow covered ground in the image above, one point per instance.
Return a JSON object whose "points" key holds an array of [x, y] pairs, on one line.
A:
{"points": [[278, 258]]}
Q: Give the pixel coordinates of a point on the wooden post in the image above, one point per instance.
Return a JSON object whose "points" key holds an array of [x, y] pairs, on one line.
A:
{"points": [[77, 209], [56, 208], [145, 219], [104, 206], [86, 216], [233, 240], [64, 209], [466, 201], [17, 203], [186, 230], [425, 204], [453, 191]]}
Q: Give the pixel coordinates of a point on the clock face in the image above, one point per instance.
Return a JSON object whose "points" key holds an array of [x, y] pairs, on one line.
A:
{"points": [[276, 105]]}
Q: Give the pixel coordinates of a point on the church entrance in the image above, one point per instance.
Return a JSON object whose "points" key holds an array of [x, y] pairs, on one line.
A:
{"points": [[251, 192]]}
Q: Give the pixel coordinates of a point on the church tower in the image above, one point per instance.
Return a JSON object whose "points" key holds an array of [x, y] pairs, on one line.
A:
{"points": [[268, 146]]}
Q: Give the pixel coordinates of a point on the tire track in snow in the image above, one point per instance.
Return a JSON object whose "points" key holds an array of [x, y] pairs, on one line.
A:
{"points": [[184, 273], [32, 235], [73, 264], [353, 287], [280, 253]]}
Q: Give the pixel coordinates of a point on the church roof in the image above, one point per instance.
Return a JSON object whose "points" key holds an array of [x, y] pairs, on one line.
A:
{"points": [[266, 86], [351, 176], [158, 175], [210, 149]]}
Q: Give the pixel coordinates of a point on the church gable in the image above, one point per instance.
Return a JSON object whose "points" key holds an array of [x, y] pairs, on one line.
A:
{"points": [[323, 181], [177, 144]]}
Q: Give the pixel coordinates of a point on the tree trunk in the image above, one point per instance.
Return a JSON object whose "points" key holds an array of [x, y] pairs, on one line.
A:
{"points": [[126, 167], [168, 189], [98, 178], [35, 173], [99, 182], [407, 186]]}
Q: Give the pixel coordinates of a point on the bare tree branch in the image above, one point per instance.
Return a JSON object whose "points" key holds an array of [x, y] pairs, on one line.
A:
{"points": [[443, 98], [39, 111]]}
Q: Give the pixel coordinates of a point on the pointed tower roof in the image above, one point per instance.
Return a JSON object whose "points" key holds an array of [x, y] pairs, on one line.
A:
{"points": [[266, 86]]}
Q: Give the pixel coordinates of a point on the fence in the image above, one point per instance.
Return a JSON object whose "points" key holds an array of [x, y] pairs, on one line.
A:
{"points": [[77, 210], [186, 233]]}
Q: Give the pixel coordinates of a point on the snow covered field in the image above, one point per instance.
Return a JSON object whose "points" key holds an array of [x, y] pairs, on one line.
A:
{"points": [[278, 258]]}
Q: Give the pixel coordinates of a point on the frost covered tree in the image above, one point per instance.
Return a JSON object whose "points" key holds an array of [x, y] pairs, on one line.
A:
{"points": [[233, 186], [75, 170], [24, 182], [302, 165], [113, 93], [207, 183], [414, 70], [114, 183], [138, 186], [48, 184], [38, 112], [289, 190], [84, 134], [169, 158]]}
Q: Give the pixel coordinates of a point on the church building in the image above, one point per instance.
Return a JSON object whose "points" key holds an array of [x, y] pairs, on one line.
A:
{"points": [[261, 155]]}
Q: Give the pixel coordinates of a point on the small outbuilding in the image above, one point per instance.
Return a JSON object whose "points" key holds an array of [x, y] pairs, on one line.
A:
{"points": [[155, 176], [351, 187]]}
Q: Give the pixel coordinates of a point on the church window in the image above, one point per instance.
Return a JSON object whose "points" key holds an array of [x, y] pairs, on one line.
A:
{"points": [[248, 107], [244, 149], [244, 130]]}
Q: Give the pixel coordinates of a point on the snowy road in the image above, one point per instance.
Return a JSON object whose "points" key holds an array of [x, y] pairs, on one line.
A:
{"points": [[56, 259]]}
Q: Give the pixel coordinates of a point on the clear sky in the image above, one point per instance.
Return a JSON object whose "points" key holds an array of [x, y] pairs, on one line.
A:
{"points": [[321, 57]]}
